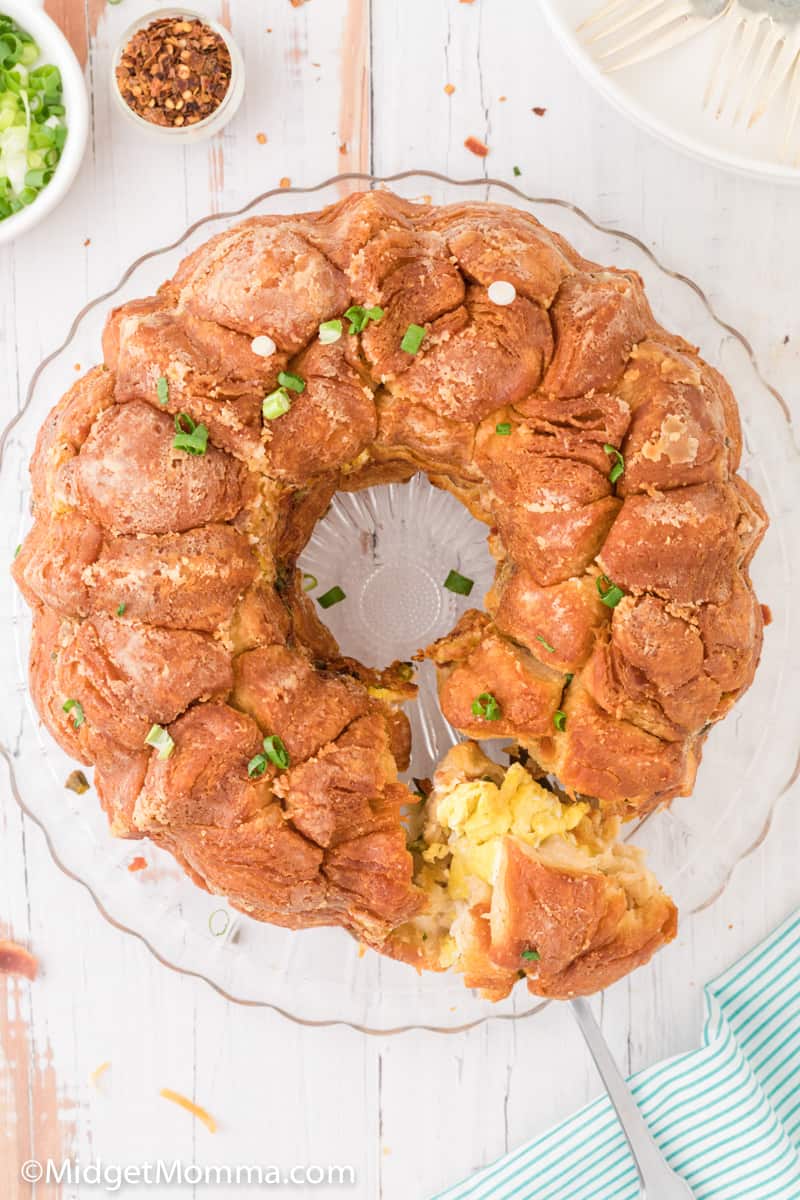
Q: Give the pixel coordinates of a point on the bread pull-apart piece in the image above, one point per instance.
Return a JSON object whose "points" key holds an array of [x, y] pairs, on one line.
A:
{"points": [[524, 883], [491, 687]]}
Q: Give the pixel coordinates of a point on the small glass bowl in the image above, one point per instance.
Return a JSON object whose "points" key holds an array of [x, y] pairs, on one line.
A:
{"points": [[213, 123]]}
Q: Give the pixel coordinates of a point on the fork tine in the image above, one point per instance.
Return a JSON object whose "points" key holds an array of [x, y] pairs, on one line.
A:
{"points": [[748, 35], [599, 14], [625, 22], [657, 24], [774, 77], [792, 107], [763, 53], [673, 35], [726, 48]]}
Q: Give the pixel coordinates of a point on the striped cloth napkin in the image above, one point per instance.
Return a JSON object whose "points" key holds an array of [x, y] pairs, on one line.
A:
{"points": [[727, 1116]]}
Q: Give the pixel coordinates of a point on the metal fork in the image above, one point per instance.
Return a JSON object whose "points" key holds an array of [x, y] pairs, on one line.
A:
{"points": [[657, 1181], [625, 32], [758, 56]]}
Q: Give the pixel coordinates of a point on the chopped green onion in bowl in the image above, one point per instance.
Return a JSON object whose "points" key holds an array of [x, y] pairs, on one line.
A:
{"points": [[33, 128]]}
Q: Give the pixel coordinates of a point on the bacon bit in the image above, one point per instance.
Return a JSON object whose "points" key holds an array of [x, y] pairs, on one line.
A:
{"points": [[297, 3], [16, 960], [194, 1109], [502, 99], [539, 111], [466, 1], [477, 147], [449, 88], [261, 138], [137, 864], [94, 1078], [88, 242], [286, 182], [766, 614], [343, 147]]}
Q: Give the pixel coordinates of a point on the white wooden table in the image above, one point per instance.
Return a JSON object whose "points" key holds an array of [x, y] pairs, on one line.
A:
{"points": [[342, 85]]}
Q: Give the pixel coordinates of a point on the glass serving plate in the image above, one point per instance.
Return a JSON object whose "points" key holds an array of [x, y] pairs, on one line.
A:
{"points": [[390, 548]]}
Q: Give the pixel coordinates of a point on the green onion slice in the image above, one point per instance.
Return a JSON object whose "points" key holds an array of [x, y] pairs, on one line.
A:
{"points": [[257, 766], [219, 922], [359, 317], [486, 706], [459, 584], [560, 719], [292, 383], [531, 955], [120, 609], [608, 592], [517, 171], [188, 436], [568, 678], [504, 428], [276, 752], [550, 649], [333, 596], [309, 582], [76, 708], [276, 404], [162, 390], [330, 331], [412, 339], [160, 740], [618, 465], [77, 782]]}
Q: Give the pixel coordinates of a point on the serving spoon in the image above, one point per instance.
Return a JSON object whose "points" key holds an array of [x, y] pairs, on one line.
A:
{"points": [[657, 1180]]}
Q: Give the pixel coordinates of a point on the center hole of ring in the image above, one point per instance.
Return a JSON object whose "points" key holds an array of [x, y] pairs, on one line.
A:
{"points": [[401, 603], [390, 548]]}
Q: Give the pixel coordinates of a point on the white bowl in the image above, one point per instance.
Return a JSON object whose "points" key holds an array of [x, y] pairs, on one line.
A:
{"points": [[221, 115], [55, 49]]}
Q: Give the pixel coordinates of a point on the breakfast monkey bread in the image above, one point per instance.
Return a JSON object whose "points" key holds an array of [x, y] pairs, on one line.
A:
{"points": [[173, 647]]}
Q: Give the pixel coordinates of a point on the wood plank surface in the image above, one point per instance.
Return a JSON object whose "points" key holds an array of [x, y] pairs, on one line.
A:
{"points": [[342, 85]]}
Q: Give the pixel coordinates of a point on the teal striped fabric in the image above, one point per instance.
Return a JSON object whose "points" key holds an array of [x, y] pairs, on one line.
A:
{"points": [[727, 1116]]}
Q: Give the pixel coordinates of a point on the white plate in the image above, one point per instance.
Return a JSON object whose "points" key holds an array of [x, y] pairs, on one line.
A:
{"points": [[665, 96]]}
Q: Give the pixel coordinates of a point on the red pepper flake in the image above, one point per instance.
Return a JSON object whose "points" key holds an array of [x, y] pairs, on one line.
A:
{"points": [[343, 147], [286, 182], [477, 147], [76, 366], [137, 864], [539, 111], [502, 99], [261, 138], [174, 72], [297, 3], [766, 614], [449, 88], [16, 960], [88, 242]]}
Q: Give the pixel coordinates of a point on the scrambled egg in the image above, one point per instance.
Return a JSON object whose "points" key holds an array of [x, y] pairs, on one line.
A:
{"points": [[475, 815]]}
